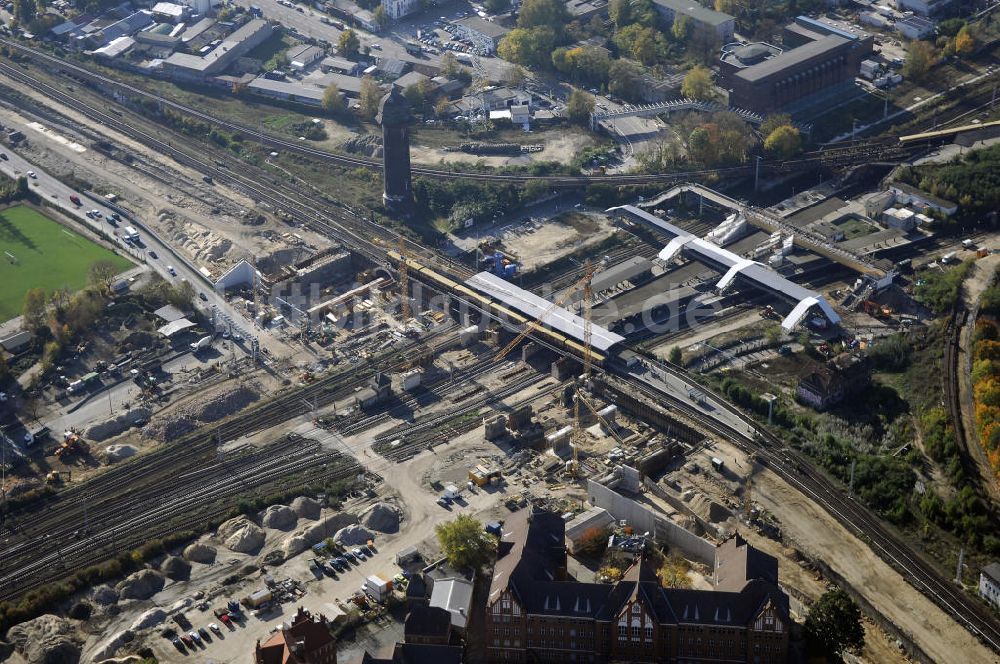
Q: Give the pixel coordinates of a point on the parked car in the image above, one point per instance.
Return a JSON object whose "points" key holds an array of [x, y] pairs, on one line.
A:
{"points": [[171, 270], [204, 298], [3, 155], [31, 174], [152, 254], [215, 628], [226, 620], [204, 633], [194, 636]]}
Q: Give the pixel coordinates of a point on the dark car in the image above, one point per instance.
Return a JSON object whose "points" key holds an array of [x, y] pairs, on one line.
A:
{"points": [[204, 298], [350, 556], [178, 644], [152, 254]]}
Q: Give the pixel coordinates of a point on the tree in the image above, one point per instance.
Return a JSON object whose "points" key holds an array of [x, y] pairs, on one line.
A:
{"points": [[101, 274], [703, 145], [674, 572], [531, 47], [774, 121], [380, 17], [674, 356], [465, 543], [834, 624], [348, 45], [418, 94], [33, 310], [593, 542], [514, 76], [496, 6], [441, 106], [964, 43], [333, 102], [369, 97], [698, 83], [920, 58], [620, 12], [25, 11], [784, 142], [624, 80], [579, 106], [550, 14], [449, 64], [681, 27]]}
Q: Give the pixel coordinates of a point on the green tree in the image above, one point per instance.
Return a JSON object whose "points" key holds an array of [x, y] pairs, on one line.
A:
{"points": [[418, 94], [834, 624], [620, 12], [465, 543], [496, 6], [675, 355], [348, 45], [530, 47], [579, 106], [25, 11], [624, 80], [550, 14], [380, 17], [920, 59], [514, 76], [774, 121], [698, 83], [369, 97], [681, 27], [784, 142], [449, 64], [33, 310], [333, 102]]}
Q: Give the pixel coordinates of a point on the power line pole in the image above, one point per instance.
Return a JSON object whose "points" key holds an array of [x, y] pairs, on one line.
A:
{"points": [[853, 463], [958, 568]]}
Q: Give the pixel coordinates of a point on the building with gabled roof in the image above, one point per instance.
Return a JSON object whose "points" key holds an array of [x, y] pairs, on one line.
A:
{"points": [[307, 639], [535, 614]]}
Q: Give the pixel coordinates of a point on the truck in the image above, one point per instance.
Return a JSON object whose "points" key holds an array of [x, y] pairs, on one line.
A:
{"points": [[968, 244], [204, 342], [413, 48], [130, 234]]}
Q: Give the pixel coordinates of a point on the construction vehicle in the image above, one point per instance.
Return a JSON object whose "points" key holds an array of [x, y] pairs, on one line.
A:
{"points": [[56, 477], [72, 442], [769, 312], [877, 310]]}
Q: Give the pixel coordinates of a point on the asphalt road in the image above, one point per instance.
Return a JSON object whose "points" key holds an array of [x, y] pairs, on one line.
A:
{"points": [[159, 256]]}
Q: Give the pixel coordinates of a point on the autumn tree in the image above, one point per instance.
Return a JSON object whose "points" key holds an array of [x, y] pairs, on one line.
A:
{"points": [[449, 64], [964, 43], [697, 83], [784, 142], [101, 274], [514, 76], [380, 17], [33, 311], [465, 543], [348, 45], [333, 102], [681, 28], [834, 624], [579, 106], [773, 121], [920, 58], [593, 542], [550, 14], [25, 11], [624, 80], [369, 97], [531, 47], [673, 572]]}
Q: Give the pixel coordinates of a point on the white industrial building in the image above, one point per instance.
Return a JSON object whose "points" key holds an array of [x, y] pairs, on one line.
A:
{"points": [[397, 9], [989, 584]]}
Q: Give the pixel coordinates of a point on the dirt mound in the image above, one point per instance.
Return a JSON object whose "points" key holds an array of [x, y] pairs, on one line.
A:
{"points": [[141, 585], [176, 568], [382, 517], [47, 639], [306, 508], [104, 595], [121, 424], [200, 553], [327, 527], [186, 419], [113, 645], [280, 517], [705, 507], [200, 242], [241, 535], [353, 535]]}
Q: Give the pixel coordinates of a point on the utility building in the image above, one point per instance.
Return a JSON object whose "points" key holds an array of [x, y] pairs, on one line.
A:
{"points": [[394, 116]]}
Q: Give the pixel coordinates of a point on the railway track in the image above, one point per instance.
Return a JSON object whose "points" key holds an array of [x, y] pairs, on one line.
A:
{"points": [[966, 610], [188, 500]]}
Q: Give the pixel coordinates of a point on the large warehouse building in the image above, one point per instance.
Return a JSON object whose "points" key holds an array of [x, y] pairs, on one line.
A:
{"points": [[766, 79]]}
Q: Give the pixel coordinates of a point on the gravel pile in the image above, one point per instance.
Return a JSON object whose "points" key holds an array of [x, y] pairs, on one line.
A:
{"points": [[280, 517], [241, 535], [150, 618], [187, 419], [115, 453], [353, 535], [176, 568], [306, 508], [369, 144], [104, 595], [382, 517], [328, 527]]}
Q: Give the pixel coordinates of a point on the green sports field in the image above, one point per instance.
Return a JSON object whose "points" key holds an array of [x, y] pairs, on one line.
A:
{"points": [[45, 254]]}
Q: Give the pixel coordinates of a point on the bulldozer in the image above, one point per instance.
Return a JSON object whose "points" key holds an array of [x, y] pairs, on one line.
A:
{"points": [[72, 442]]}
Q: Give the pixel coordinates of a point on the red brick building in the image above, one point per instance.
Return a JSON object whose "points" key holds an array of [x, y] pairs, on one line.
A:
{"points": [[307, 640], [534, 614]]}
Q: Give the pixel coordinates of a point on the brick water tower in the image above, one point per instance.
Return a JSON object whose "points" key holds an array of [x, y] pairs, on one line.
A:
{"points": [[394, 116]]}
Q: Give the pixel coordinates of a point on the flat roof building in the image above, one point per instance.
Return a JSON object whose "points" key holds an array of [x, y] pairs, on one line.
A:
{"points": [[485, 35], [236, 45], [288, 91], [705, 23]]}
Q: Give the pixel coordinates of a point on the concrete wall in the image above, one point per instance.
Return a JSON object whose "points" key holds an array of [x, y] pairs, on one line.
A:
{"points": [[644, 520]]}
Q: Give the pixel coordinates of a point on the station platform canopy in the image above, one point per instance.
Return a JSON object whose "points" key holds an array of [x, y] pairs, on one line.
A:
{"points": [[732, 266], [175, 326], [533, 306]]}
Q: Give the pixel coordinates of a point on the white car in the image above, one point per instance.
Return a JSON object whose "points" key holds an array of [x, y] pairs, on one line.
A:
{"points": [[376, 47], [171, 270], [31, 174]]}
